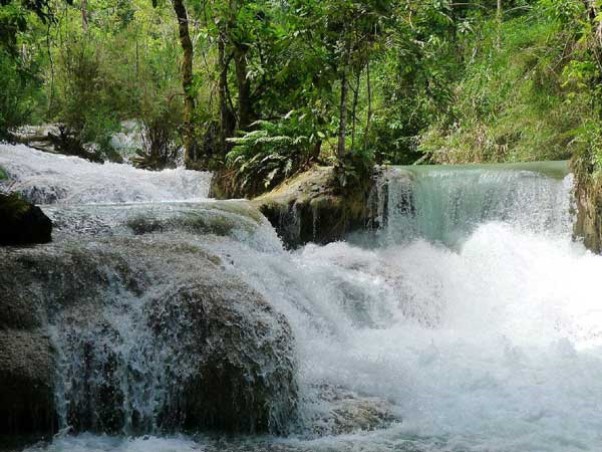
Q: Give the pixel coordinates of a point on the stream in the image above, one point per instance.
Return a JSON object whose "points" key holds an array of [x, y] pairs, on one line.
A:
{"points": [[469, 321]]}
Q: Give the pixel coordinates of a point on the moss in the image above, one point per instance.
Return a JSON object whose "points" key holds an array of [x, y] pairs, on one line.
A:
{"points": [[3, 175], [588, 196], [220, 218], [312, 207], [12, 206]]}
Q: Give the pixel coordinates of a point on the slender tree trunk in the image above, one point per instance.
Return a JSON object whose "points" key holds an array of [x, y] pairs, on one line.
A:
{"points": [[343, 116], [592, 14], [187, 79], [84, 8], [499, 17], [227, 119], [356, 95], [223, 93], [245, 107], [369, 92]]}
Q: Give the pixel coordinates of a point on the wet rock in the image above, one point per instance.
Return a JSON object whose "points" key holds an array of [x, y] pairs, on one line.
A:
{"points": [[588, 194], [241, 372], [312, 208], [22, 223], [59, 139], [347, 412], [26, 382], [147, 334]]}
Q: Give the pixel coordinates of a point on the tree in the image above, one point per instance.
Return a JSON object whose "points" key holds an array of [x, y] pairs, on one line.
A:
{"points": [[187, 80]]}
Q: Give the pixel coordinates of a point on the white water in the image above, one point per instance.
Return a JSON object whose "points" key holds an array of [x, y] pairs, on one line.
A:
{"points": [[47, 178], [491, 345]]}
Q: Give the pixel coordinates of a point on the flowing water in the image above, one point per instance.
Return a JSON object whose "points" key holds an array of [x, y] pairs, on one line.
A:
{"points": [[470, 313]]}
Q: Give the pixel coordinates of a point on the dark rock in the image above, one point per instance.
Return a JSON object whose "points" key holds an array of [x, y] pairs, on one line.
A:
{"points": [[26, 382], [22, 223], [243, 377], [200, 350]]}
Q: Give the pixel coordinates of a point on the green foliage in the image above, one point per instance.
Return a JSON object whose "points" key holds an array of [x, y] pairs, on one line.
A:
{"points": [[3, 175], [122, 66], [274, 151], [18, 94], [354, 170], [452, 81], [513, 102]]}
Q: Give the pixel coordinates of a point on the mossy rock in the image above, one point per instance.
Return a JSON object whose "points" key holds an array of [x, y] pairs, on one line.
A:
{"points": [[313, 208], [22, 223]]}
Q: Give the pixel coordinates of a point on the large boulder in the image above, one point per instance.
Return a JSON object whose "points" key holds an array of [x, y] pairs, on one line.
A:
{"points": [[22, 223], [146, 335], [241, 367]]}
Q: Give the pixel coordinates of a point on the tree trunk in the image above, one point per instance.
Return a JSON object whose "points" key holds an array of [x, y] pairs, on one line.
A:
{"points": [[223, 93], [84, 8], [227, 119], [187, 80], [499, 17], [369, 92], [343, 116], [356, 95], [245, 108]]}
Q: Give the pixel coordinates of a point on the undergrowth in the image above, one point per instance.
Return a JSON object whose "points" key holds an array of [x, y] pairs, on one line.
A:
{"points": [[513, 102]]}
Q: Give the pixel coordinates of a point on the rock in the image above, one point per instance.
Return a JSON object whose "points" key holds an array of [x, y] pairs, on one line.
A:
{"points": [[147, 335], [26, 382], [22, 223], [311, 208], [348, 412], [59, 139], [588, 194], [243, 373]]}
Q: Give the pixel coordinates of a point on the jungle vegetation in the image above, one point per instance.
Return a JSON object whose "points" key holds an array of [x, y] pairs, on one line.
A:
{"points": [[262, 89]]}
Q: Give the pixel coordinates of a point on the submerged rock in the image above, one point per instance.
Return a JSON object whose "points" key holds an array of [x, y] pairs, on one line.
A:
{"points": [[22, 223], [348, 412]]}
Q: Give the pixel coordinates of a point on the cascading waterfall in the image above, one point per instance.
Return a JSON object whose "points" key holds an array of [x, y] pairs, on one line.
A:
{"points": [[48, 178], [470, 315], [443, 204]]}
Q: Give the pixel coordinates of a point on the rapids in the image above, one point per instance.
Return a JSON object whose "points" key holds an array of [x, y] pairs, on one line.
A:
{"points": [[470, 310], [48, 178]]}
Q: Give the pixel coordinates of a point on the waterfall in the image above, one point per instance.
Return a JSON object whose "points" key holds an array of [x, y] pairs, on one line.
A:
{"points": [[45, 178], [469, 321], [446, 205]]}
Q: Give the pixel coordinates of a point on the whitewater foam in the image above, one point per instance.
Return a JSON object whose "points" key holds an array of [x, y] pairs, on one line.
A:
{"points": [[45, 178], [486, 339]]}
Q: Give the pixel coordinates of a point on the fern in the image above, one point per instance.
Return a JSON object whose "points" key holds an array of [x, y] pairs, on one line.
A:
{"points": [[273, 151]]}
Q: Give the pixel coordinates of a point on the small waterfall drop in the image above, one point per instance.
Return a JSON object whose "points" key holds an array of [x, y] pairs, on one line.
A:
{"points": [[446, 205]]}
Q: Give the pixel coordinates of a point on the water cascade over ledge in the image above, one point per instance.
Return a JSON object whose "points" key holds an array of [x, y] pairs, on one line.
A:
{"points": [[468, 321]]}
